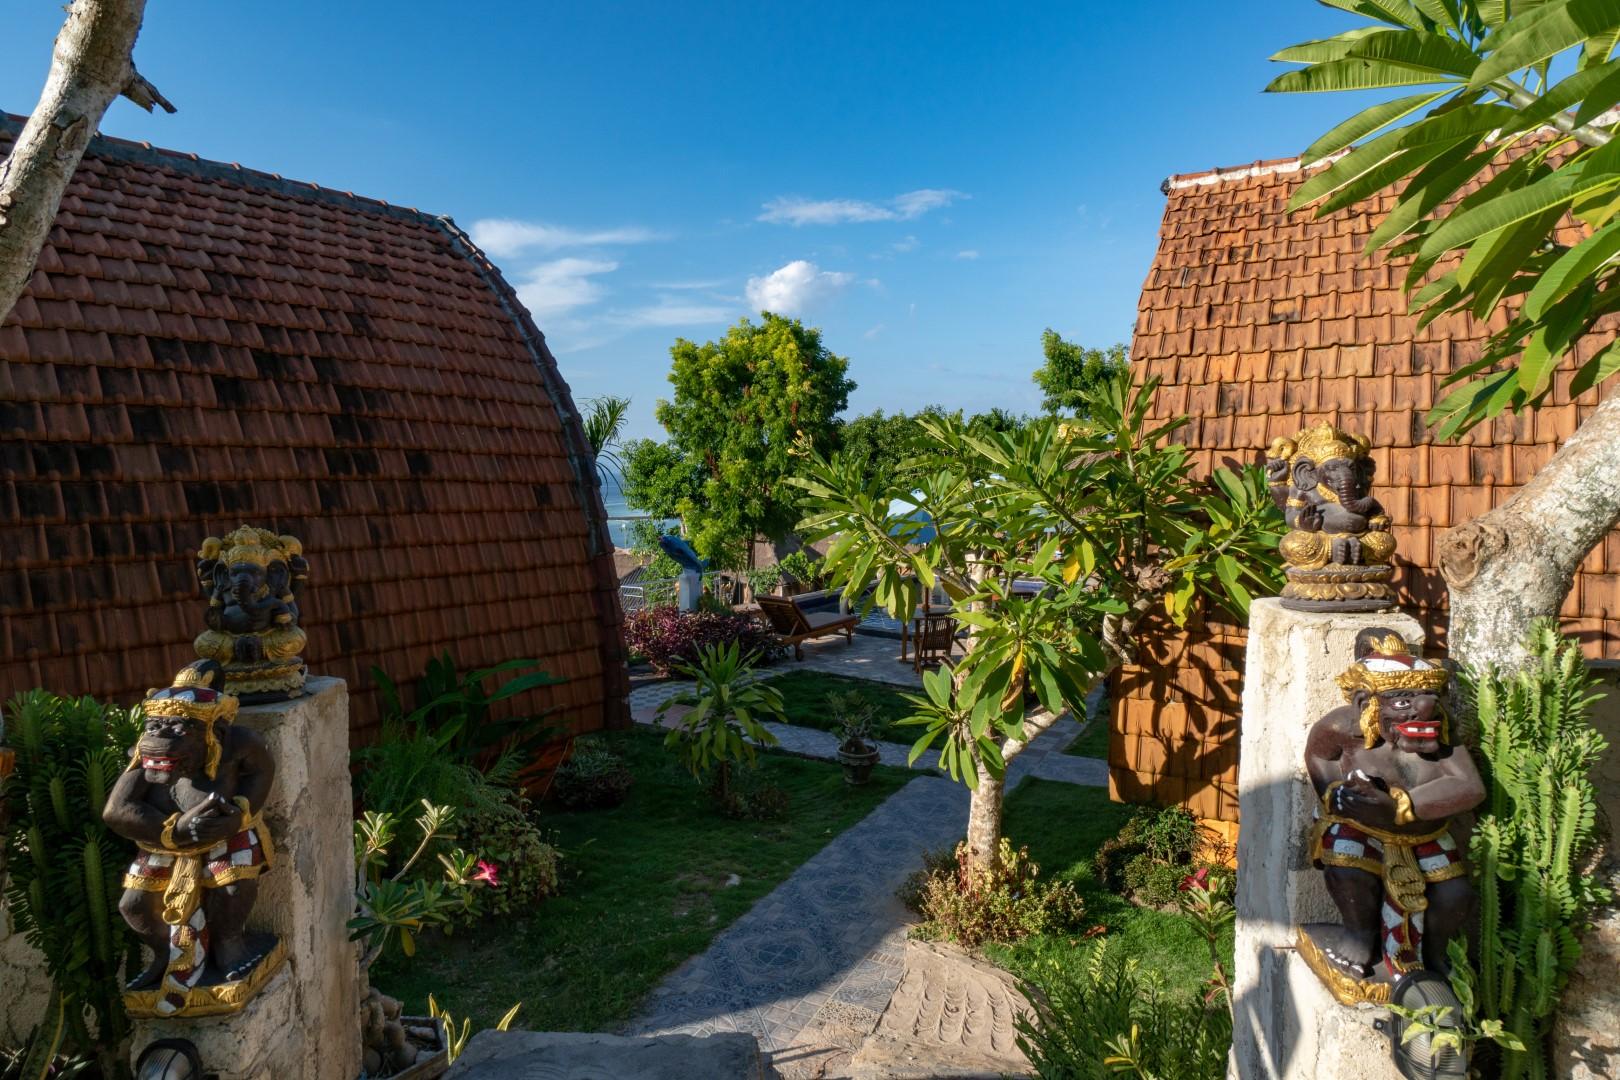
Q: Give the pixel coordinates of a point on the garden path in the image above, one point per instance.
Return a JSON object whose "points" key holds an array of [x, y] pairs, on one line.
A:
{"points": [[826, 950]]}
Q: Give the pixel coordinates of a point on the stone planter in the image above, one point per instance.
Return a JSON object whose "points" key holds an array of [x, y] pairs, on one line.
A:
{"points": [[857, 763]]}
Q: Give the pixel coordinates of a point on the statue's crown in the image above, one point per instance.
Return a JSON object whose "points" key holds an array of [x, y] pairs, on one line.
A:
{"points": [[197, 693], [1321, 442], [249, 545]]}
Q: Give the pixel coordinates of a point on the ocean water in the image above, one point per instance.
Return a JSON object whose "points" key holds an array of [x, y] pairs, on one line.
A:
{"points": [[619, 513]]}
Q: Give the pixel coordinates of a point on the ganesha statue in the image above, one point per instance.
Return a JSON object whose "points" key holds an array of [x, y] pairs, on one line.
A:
{"points": [[1389, 783], [1338, 546], [251, 579], [192, 800]]}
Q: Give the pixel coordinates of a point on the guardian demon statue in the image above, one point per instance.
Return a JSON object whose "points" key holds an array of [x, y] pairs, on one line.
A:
{"points": [[191, 800], [1390, 782]]}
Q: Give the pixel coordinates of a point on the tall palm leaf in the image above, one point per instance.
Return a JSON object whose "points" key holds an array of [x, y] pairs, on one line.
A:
{"points": [[604, 422]]}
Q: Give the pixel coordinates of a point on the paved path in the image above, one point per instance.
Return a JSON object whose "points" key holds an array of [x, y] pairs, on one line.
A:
{"points": [[826, 947]]}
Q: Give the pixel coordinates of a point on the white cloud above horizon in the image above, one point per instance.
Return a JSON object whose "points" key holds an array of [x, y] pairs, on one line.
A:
{"points": [[796, 210], [506, 237], [553, 289], [669, 311], [967, 253], [791, 289]]}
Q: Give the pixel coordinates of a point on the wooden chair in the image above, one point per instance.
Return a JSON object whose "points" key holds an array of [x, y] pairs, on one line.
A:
{"points": [[794, 626], [934, 637]]}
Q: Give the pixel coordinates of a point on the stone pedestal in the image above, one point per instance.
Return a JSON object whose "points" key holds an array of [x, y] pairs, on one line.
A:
{"points": [[1288, 1027], [305, 1024]]}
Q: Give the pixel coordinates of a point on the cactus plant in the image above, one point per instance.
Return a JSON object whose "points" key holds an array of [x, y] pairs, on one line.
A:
{"points": [[1535, 836], [64, 867]]}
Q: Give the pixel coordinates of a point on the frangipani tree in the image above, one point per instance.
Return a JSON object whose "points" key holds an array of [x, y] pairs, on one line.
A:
{"points": [[1104, 514], [1509, 182]]}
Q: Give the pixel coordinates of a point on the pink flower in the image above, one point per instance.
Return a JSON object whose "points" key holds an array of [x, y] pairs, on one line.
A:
{"points": [[488, 873], [1198, 880]]}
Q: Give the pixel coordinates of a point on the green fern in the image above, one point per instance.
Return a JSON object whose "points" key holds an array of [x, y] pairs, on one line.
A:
{"points": [[1537, 831]]}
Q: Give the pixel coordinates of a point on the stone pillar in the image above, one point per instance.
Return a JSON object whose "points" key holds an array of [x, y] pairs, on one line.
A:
{"points": [[1288, 1027], [304, 1025], [688, 587]]}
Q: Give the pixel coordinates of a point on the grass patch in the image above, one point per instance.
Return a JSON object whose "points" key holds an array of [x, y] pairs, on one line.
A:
{"points": [[804, 699], [644, 887], [1092, 741], [1064, 825]]}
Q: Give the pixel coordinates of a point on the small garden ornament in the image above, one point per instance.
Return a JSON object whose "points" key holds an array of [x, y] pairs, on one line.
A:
{"points": [[1339, 545], [1390, 782], [191, 800], [251, 579]]}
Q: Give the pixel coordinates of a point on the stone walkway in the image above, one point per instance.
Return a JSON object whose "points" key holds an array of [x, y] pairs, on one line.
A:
{"points": [[826, 949]]}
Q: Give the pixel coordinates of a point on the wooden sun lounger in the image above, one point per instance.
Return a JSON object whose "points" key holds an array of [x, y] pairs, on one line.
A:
{"points": [[793, 625]]}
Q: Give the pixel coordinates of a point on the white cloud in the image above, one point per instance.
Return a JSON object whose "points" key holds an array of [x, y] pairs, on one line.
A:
{"points": [[671, 312], [794, 210], [694, 285], [872, 334], [968, 254], [910, 243], [505, 237], [790, 289], [558, 287]]}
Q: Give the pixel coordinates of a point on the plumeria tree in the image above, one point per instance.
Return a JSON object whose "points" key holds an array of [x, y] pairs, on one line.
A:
{"points": [[1501, 146], [1098, 523]]}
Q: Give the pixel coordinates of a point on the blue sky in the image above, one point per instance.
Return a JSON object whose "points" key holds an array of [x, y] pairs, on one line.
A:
{"points": [[931, 184]]}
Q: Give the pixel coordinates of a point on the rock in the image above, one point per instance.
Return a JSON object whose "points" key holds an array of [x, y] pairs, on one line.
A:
{"points": [[951, 1016], [732, 881], [373, 1062], [390, 1006], [553, 1055]]}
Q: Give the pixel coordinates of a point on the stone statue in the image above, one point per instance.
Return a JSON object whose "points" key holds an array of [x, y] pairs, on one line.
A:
{"points": [[1390, 783], [1338, 546], [251, 578], [191, 800]]}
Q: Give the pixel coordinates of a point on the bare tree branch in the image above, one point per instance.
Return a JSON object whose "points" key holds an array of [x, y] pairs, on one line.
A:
{"points": [[91, 65]]}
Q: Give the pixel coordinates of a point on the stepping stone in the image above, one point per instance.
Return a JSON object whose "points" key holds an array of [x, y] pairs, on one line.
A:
{"points": [[575, 1055]]}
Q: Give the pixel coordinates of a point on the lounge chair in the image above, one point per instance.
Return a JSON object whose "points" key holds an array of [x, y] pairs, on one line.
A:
{"points": [[795, 625]]}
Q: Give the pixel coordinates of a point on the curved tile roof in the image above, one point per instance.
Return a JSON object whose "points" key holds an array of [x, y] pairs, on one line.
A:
{"points": [[204, 345]]}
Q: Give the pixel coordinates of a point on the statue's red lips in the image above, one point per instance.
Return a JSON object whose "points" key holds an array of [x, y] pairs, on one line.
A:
{"points": [[159, 762], [1419, 729]]}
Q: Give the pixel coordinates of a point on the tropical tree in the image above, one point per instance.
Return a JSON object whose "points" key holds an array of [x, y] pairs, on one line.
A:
{"points": [[1071, 371], [1509, 181], [1103, 514], [885, 441], [91, 66], [740, 407], [604, 422]]}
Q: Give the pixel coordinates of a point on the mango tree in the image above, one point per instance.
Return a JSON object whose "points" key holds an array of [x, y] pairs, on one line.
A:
{"points": [[1097, 522]]}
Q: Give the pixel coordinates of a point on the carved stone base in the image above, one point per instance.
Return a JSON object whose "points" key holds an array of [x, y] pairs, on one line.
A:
{"points": [[1340, 588], [216, 998], [1346, 989]]}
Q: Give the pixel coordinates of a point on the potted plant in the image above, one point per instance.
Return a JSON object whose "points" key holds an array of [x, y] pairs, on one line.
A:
{"points": [[800, 572], [855, 719]]}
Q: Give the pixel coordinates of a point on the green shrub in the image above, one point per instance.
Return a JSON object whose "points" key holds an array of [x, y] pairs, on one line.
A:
{"points": [[592, 777], [725, 718], [1107, 1017], [1155, 851], [516, 853], [406, 766], [65, 867], [750, 797], [975, 906]]}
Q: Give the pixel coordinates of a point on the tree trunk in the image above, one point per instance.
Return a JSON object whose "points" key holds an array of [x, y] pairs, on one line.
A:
{"points": [[984, 819], [1516, 563], [91, 65]]}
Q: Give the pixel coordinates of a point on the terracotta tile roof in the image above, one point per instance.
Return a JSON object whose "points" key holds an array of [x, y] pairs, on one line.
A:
{"points": [[203, 345], [1261, 322]]}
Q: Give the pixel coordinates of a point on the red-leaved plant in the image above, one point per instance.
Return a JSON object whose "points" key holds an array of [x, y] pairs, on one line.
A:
{"points": [[669, 637]]}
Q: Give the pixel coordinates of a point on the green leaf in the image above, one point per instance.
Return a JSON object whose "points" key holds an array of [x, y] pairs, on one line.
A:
{"points": [[1350, 74], [1433, 136], [1599, 100], [1566, 94], [1527, 202], [1399, 12], [1596, 370], [1544, 33], [1333, 48], [1419, 51], [1366, 122], [1573, 268]]}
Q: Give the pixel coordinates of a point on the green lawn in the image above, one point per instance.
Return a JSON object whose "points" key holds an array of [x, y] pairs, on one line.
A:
{"points": [[1063, 825], [644, 887], [804, 697], [1093, 740]]}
